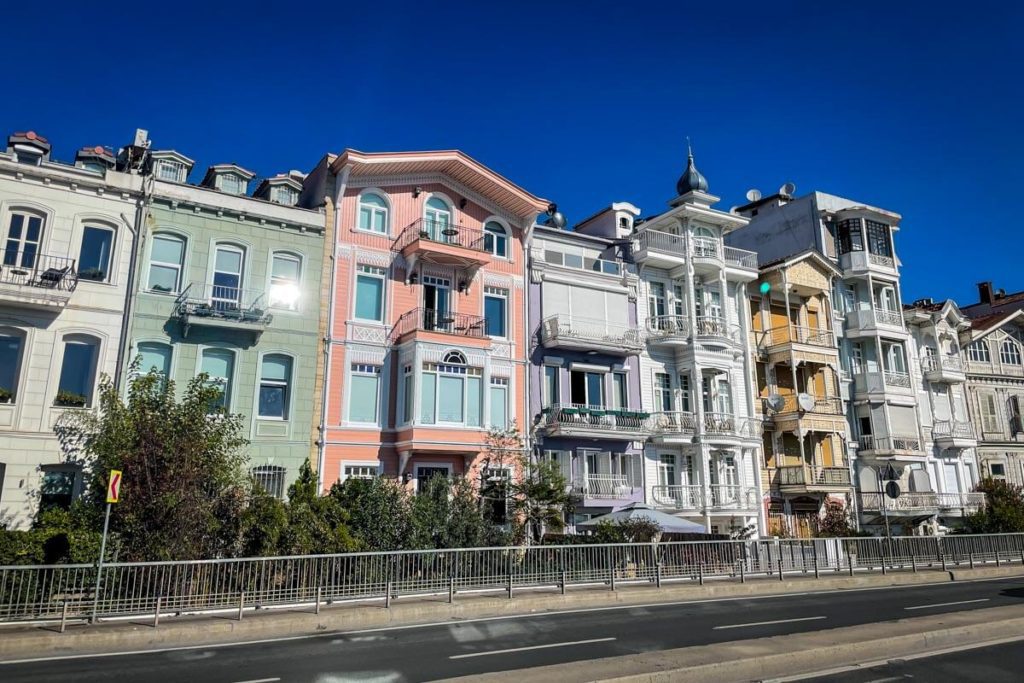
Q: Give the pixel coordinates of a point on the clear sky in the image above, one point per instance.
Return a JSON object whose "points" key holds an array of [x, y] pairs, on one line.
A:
{"points": [[912, 106]]}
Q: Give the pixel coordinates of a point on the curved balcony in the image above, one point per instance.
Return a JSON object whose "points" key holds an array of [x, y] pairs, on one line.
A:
{"points": [[717, 497], [670, 330], [728, 428], [954, 434], [715, 328], [593, 422], [946, 368], [562, 331], [706, 254], [444, 244], [672, 426]]}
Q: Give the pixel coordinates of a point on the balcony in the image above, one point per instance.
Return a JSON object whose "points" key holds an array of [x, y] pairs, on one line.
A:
{"points": [[826, 415], [862, 261], [889, 381], [890, 446], [806, 344], [727, 428], [33, 280], [862, 321], [948, 369], [925, 503], [562, 331], [954, 434], [216, 306], [443, 244], [672, 426], [593, 422], [708, 254], [807, 479], [433, 322], [740, 258], [675, 330], [693, 497], [606, 487]]}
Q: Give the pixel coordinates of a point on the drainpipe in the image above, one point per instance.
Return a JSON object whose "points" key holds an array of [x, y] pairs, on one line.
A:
{"points": [[745, 329], [138, 241], [339, 191], [527, 423]]}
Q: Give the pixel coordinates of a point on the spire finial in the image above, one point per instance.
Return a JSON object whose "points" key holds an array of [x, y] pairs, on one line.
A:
{"points": [[689, 148], [691, 180]]}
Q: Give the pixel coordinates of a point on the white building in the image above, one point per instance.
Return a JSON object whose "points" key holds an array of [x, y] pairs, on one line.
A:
{"points": [[67, 234], [702, 459]]}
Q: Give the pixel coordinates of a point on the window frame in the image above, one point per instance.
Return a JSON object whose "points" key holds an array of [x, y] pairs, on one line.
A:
{"points": [[978, 351], [27, 214], [376, 371], [243, 253], [82, 339], [177, 166], [298, 260], [180, 267], [463, 372], [288, 384], [139, 343], [1009, 352], [229, 393], [663, 392], [273, 470], [374, 272], [551, 385], [496, 230], [344, 476], [108, 276], [22, 337], [503, 386], [373, 211], [498, 293]]}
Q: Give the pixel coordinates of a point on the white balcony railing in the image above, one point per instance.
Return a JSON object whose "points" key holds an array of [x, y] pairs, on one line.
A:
{"points": [[879, 260], [614, 486], [561, 328], [933, 362], [923, 501], [694, 497], [663, 326], [715, 326], [672, 422], [884, 316], [889, 443], [678, 496], [654, 240], [578, 417], [725, 424], [741, 257], [897, 379], [953, 429]]}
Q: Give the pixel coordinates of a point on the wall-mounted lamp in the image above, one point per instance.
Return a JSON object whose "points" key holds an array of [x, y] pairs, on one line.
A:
{"points": [[417, 191], [462, 203], [462, 286], [414, 278]]}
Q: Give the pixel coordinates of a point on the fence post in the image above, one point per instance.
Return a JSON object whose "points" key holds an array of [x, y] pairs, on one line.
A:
{"points": [[994, 542], [768, 547], [510, 565], [319, 595], [657, 565], [451, 589], [241, 604], [387, 595], [156, 612], [881, 554], [63, 615], [743, 567], [611, 565], [849, 556], [700, 572], [561, 563], [938, 551], [814, 548], [970, 554], [913, 561], [781, 556]]}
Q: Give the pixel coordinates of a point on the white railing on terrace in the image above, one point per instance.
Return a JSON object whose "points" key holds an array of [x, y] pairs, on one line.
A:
{"points": [[706, 247], [927, 500], [715, 326], [672, 422], [879, 260], [886, 317], [661, 241], [953, 429], [694, 497], [741, 257], [48, 593], [724, 424], [605, 486], [587, 418], [930, 363], [564, 327], [897, 379], [785, 334], [668, 326], [678, 496], [889, 443], [820, 476]]}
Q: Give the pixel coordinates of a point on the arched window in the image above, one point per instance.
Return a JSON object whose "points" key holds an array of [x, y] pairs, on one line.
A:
{"points": [[701, 231], [285, 271], [12, 344], [219, 366], [437, 218], [94, 257], [77, 371], [373, 213], [155, 357], [270, 478], [977, 352], [454, 358], [24, 239], [166, 263], [228, 266], [496, 239], [275, 386], [1009, 353]]}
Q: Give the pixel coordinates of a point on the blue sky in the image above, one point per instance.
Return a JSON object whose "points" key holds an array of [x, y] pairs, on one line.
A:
{"points": [[914, 107]]}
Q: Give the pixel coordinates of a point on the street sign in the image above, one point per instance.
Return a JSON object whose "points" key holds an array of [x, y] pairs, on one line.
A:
{"points": [[892, 489], [114, 486]]}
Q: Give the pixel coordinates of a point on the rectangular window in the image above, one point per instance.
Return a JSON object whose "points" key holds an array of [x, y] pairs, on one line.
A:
{"points": [[231, 183], [850, 236], [370, 293], [450, 399], [428, 398], [662, 392], [358, 472], [666, 469], [24, 235], [275, 380], [219, 365], [997, 470], [684, 393], [364, 393], [226, 294], [474, 402], [284, 281], [407, 394], [171, 171], [77, 373], [552, 394], [878, 239], [495, 311], [165, 263], [620, 397], [57, 488], [989, 418], [155, 357], [270, 478], [499, 402], [586, 388], [10, 362], [94, 256], [656, 300], [724, 396]]}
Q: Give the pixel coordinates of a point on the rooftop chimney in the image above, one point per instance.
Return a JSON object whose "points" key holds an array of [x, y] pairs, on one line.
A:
{"points": [[985, 295]]}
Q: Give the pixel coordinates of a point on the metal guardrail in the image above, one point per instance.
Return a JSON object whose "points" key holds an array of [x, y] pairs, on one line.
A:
{"points": [[953, 429], [817, 476], [611, 486], [672, 422], [216, 302], [741, 257], [824, 405], [585, 418], [28, 268], [561, 327], [923, 501], [440, 232], [57, 593], [786, 334], [431, 320], [943, 362], [889, 443]]}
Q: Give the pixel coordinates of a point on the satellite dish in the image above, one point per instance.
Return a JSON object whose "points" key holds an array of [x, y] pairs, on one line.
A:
{"points": [[788, 188], [892, 489], [774, 402], [753, 195], [805, 401]]}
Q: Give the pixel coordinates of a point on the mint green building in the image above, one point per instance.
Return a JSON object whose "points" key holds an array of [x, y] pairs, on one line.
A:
{"points": [[229, 284]]}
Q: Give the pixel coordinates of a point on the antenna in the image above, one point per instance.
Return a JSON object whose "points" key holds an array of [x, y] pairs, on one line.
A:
{"points": [[805, 401], [788, 188], [774, 402], [753, 195]]}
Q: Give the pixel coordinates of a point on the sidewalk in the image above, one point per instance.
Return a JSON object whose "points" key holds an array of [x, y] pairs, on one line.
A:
{"points": [[26, 641]]}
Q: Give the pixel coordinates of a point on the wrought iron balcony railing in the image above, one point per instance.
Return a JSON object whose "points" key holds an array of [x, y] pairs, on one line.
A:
{"points": [[694, 497], [889, 443], [611, 486], [440, 232], [923, 501], [813, 476], [956, 429], [28, 268], [444, 322], [201, 301], [786, 334], [931, 363], [582, 417]]}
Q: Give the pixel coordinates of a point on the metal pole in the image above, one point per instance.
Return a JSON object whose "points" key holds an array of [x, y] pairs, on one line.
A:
{"points": [[451, 589], [743, 570], [241, 605], [814, 547], [156, 612], [319, 595], [881, 546], [700, 572], [510, 575], [611, 566], [938, 551], [387, 595], [99, 567], [885, 508], [63, 615], [657, 566], [781, 556]]}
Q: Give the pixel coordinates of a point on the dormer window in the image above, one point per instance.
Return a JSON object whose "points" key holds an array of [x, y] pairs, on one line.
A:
{"points": [[284, 195], [230, 183], [26, 155], [228, 178], [171, 171]]}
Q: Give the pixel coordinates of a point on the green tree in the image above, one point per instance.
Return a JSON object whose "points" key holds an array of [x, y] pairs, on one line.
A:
{"points": [[837, 521], [540, 498], [634, 530], [315, 524], [448, 515], [185, 485], [378, 512], [1003, 511]]}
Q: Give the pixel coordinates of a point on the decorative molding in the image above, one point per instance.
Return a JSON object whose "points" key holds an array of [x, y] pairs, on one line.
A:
{"points": [[369, 356], [499, 280], [373, 334], [383, 182], [372, 257]]}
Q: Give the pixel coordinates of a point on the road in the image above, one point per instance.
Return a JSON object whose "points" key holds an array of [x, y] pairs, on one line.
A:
{"points": [[461, 648]]}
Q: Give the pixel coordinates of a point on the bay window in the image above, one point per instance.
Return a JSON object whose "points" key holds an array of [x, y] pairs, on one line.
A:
{"points": [[451, 392]]}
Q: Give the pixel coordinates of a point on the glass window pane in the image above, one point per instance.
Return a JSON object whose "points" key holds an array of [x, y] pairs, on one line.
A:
{"points": [[155, 357], [229, 261], [94, 258], [77, 369], [437, 203], [551, 391], [363, 399], [379, 219], [450, 400], [10, 356], [473, 401], [167, 249], [277, 368], [494, 313], [428, 397], [372, 199], [217, 363], [273, 399], [369, 297], [595, 389], [285, 268], [499, 407], [163, 278]]}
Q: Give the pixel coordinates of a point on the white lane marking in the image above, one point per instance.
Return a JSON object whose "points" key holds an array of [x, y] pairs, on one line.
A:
{"points": [[261, 680], [530, 647], [886, 662], [947, 604], [767, 623], [529, 615]]}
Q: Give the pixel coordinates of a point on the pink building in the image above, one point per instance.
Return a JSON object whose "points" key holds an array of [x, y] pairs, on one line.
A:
{"points": [[427, 341]]}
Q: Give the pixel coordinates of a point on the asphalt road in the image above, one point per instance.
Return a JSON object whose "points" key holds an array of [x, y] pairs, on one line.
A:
{"points": [[470, 647], [994, 664]]}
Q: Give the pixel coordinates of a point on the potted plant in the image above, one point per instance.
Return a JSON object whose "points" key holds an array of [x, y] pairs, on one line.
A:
{"points": [[69, 399], [5, 395], [95, 274]]}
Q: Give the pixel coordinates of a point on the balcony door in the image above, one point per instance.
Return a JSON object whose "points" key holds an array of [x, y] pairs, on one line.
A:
{"points": [[656, 303], [438, 220], [949, 475], [24, 234], [436, 303], [586, 388], [226, 292]]}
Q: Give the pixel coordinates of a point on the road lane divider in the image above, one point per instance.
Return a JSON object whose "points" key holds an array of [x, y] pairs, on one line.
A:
{"points": [[947, 604], [767, 623], [530, 647]]}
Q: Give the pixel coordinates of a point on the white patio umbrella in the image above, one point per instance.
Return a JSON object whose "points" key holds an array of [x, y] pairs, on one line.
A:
{"points": [[637, 510]]}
